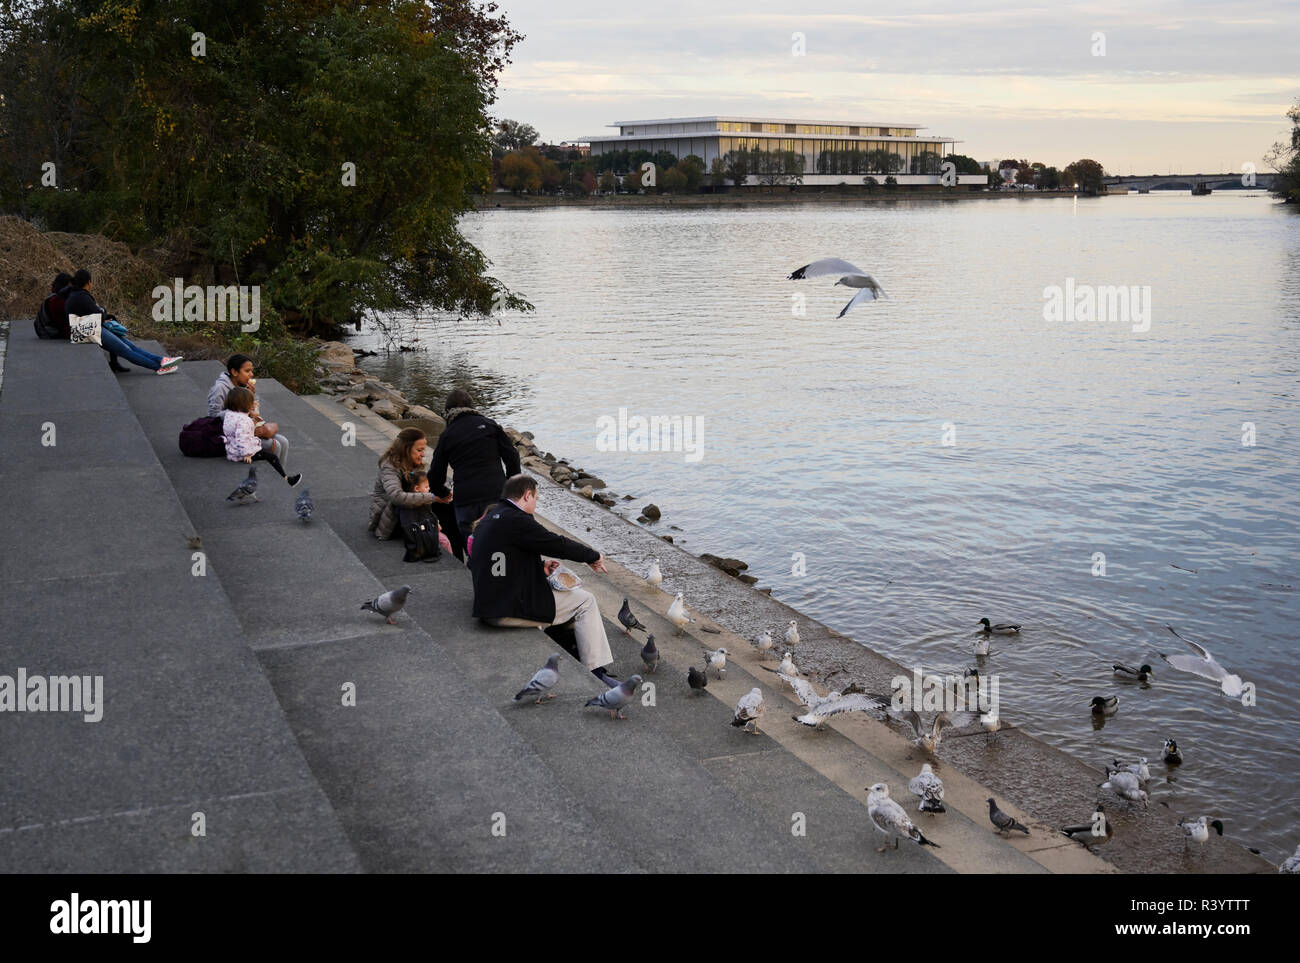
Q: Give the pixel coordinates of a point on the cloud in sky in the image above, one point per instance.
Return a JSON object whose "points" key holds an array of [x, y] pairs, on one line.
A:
{"points": [[1194, 86]]}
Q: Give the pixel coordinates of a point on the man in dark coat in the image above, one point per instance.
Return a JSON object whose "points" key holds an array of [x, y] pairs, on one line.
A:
{"points": [[476, 448], [510, 577]]}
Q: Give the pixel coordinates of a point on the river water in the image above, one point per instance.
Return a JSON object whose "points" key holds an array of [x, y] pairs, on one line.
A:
{"points": [[950, 453]]}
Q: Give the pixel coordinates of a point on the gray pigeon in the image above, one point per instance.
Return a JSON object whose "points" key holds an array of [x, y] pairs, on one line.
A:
{"points": [[246, 493], [697, 680], [650, 655], [629, 620], [540, 684], [304, 506], [1002, 821], [389, 604], [616, 698]]}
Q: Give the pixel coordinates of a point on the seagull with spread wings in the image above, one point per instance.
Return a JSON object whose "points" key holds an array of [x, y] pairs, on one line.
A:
{"points": [[851, 277]]}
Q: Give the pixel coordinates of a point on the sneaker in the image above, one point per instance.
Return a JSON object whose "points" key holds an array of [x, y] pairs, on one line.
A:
{"points": [[293, 480], [166, 371], [172, 362]]}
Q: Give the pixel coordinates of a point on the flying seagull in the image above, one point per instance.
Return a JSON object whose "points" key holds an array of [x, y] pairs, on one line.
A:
{"points": [[821, 708], [851, 277], [888, 817], [1204, 665]]}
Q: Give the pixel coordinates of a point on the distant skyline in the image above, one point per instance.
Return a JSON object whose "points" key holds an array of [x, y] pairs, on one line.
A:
{"points": [[1188, 86]]}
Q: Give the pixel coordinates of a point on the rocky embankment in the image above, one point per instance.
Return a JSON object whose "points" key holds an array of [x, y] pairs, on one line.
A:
{"points": [[339, 376]]}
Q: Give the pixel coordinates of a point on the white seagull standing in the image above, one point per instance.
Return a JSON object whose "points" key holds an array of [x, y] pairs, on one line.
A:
{"points": [[1203, 664], [792, 633], [888, 817], [654, 577], [851, 277], [677, 613]]}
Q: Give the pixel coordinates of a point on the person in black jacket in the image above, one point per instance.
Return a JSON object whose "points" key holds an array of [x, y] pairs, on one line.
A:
{"points": [[78, 301], [510, 577], [476, 448]]}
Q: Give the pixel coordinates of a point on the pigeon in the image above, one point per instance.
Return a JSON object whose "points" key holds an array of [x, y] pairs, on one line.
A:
{"points": [[716, 659], [888, 817], [1199, 829], [764, 642], [677, 613], [1139, 768], [930, 788], [792, 633], [629, 620], [787, 665], [1000, 628], [697, 680], [389, 604], [1104, 705], [1291, 864], [1091, 834], [851, 277], [541, 683], [821, 708], [304, 506], [246, 493], [650, 655], [654, 576], [1203, 664], [1002, 821], [748, 709], [1125, 785], [616, 698], [194, 541], [1171, 754], [1141, 674]]}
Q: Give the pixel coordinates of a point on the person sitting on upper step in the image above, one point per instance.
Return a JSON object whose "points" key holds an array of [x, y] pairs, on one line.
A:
{"points": [[511, 586], [239, 374], [78, 301]]}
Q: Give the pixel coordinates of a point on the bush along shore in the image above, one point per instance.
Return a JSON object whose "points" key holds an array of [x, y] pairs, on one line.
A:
{"points": [[338, 375]]}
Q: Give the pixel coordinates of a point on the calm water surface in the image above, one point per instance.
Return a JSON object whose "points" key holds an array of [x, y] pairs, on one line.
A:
{"points": [[825, 437]]}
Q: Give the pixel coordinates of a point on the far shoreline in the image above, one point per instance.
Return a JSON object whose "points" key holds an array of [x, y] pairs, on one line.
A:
{"points": [[487, 202]]}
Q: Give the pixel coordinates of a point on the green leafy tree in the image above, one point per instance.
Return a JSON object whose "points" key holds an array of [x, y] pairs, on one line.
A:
{"points": [[717, 174], [1085, 174], [736, 164], [692, 168], [513, 135], [632, 182], [608, 182], [519, 172], [673, 181], [964, 164], [326, 150]]}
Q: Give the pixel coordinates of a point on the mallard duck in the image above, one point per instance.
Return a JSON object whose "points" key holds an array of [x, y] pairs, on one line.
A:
{"points": [[1142, 674], [1104, 705], [1094, 833], [1171, 754], [1002, 628]]}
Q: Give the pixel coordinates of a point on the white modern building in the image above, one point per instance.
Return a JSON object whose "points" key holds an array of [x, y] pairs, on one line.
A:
{"points": [[833, 152]]}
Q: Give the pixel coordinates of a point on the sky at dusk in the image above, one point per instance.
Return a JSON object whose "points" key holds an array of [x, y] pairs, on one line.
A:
{"points": [[1188, 87]]}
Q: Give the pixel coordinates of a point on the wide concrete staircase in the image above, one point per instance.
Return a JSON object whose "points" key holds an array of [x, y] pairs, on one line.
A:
{"points": [[228, 692]]}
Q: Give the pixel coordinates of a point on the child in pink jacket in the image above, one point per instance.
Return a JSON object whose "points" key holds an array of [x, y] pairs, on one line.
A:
{"points": [[241, 443]]}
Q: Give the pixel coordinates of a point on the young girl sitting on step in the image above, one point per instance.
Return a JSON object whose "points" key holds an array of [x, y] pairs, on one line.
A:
{"points": [[241, 443]]}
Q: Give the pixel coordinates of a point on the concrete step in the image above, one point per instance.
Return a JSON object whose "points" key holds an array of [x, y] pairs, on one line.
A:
{"points": [[418, 767], [97, 580]]}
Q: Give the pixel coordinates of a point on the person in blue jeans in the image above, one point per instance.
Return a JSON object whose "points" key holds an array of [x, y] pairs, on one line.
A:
{"points": [[78, 301]]}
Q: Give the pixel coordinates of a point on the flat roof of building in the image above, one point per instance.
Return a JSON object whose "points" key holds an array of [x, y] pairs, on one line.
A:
{"points": [[767, 120]]}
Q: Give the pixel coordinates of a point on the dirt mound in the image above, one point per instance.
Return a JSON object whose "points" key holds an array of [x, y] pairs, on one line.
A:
{"points": [[29, 260]]}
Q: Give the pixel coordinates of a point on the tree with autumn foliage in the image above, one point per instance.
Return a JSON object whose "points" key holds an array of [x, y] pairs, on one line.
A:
{"points": [[324, 148]]}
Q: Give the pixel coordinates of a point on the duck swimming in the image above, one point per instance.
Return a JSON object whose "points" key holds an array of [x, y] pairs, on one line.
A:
{"points": [[1001, 628], [1104, 705], [1142, 674]]}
